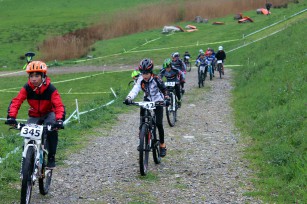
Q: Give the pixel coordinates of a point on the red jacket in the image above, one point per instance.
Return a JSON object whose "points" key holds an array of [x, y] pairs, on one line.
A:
{"points": [[42, 101]]}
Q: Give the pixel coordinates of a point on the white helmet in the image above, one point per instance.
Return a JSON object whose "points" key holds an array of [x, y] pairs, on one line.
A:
{"points": [[220, 47], [201, 51]]}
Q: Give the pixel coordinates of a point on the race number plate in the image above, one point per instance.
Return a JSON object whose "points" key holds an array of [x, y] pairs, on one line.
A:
{"points": [[220, 61], [32, 131], [148, 105], [169, 83], [202, 68]]}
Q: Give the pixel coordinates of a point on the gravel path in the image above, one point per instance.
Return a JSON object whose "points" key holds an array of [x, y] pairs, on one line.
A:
{"points": [[203, 164]]}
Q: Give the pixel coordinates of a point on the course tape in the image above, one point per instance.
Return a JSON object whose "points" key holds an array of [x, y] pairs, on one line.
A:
{"points": [[285, 19]]}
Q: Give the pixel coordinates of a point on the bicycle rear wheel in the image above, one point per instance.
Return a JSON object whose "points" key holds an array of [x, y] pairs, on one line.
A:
{"points": [[171, 111], [219, 68], [45, 180], [144, 149], [27, 175]]}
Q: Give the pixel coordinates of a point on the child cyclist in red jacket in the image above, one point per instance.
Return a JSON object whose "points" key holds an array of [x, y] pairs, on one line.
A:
{"points": [[45, 105]]}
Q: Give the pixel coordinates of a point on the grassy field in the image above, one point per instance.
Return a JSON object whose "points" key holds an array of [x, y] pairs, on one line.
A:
{"points": [[269, 96], [26, 24], [64, 30]]}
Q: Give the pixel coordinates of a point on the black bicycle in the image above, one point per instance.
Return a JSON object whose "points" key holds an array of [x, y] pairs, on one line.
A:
{"points": [[220, 67], [201, 75], [148, 140], [34, 159], [171, 110], [187, 63]]}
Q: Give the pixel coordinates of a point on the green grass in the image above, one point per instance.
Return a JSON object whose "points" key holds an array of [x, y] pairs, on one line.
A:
{"points": [[25, 24], [271, 108], [269, 95]]}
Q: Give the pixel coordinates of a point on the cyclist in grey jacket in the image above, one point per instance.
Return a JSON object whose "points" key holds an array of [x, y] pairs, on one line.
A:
{"points": [[155, 91]]}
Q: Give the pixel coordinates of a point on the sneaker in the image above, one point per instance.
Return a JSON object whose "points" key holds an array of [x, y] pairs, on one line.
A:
{"points": [[163, 150], [51, 163], [182, 91]]}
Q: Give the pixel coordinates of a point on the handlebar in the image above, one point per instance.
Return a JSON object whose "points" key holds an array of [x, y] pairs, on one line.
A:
{"points": [[19, 126], [141, 103]]}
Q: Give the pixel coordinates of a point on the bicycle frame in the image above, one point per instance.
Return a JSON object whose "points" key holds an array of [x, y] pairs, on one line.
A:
{"points": [[33, 165], [147, 136], [149, 115], [171, 88], [37, 142]]}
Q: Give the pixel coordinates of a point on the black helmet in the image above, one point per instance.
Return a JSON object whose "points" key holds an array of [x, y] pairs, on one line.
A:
{"points": [[146, 66]]}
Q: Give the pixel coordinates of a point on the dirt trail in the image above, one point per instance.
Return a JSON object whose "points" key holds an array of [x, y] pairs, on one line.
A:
{"points": [[203, 164]]}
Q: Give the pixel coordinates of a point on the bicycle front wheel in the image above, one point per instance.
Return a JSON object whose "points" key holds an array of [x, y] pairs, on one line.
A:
{"points": [[171, 111], [27, 175], [189, 67], [144, 149], [199, 78], [45, 180]]}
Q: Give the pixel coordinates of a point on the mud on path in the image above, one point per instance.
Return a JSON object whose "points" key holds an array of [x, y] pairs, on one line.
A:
{"points": [[204, 161]]}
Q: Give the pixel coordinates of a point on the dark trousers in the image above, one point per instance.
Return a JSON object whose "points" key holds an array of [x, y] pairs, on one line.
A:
{"points": [[52, 136], [159, 121], [178, 91]]}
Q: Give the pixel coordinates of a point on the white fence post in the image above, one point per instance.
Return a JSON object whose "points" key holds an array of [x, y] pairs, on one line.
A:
{"points": [[77, 110]]}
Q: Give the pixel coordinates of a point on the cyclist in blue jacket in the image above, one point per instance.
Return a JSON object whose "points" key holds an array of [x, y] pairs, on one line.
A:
{"points": [[173, 75], [178, 63]]}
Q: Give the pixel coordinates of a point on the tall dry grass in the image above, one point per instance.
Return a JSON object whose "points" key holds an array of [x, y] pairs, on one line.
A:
{"points": [[76, 44]]}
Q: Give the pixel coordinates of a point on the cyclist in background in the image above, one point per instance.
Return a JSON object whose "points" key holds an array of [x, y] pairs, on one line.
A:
{"points": [[177, 62], [45, 105], [186, 56], [199, 53], [155, 91], [29, 56], [135, 74], [173, 75], [213, 56], [209, 58], [201, 61], [221, 55]]}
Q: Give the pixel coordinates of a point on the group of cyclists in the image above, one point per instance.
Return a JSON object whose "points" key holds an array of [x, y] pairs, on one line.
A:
{"points": [[174, 70], [207, 57], [46, 105]]}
